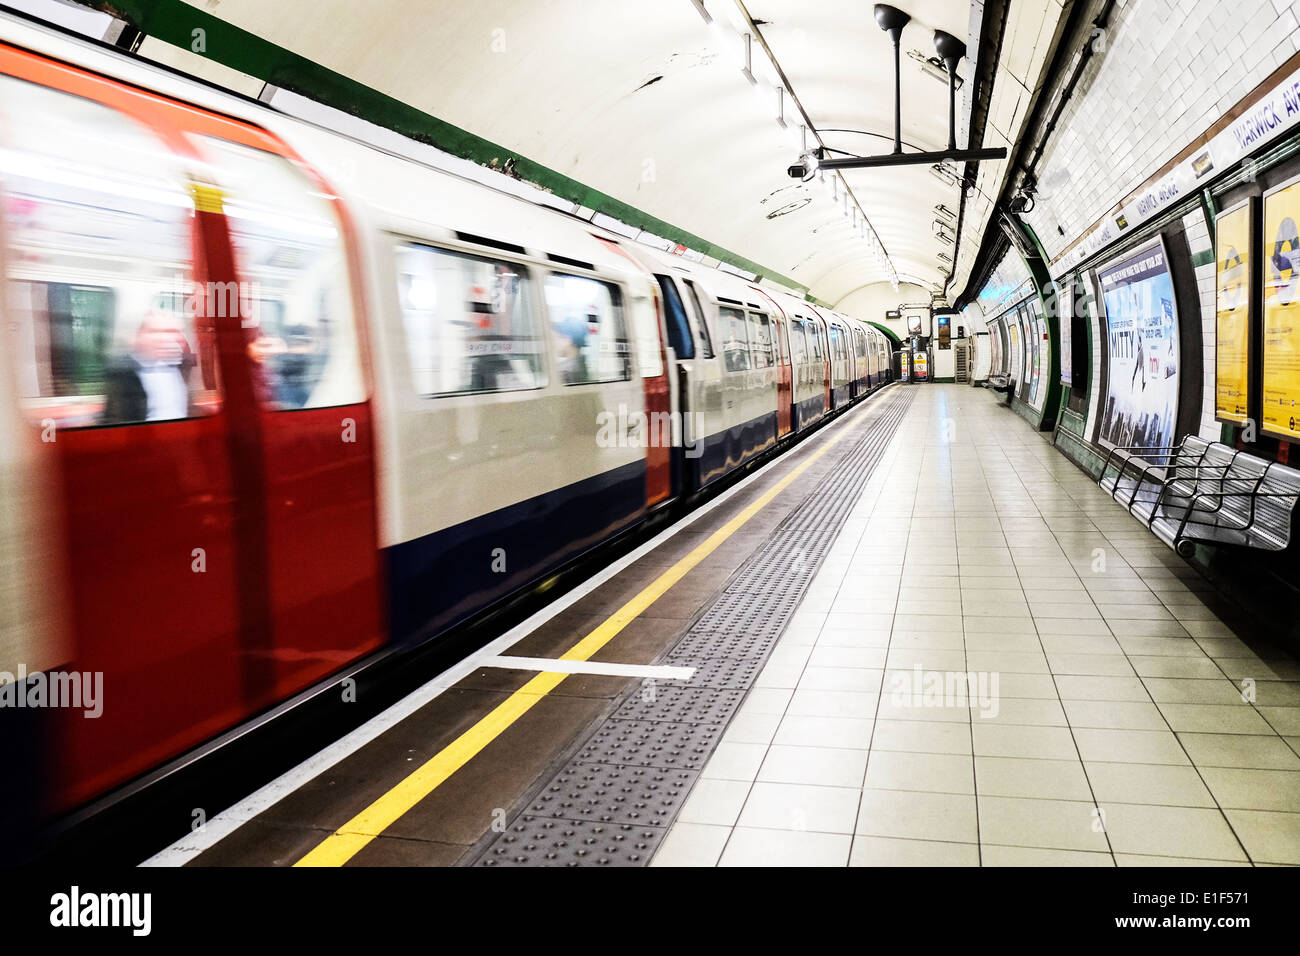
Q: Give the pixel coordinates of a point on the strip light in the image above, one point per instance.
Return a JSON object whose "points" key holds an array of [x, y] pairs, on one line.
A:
{"points": [[837, 188]]}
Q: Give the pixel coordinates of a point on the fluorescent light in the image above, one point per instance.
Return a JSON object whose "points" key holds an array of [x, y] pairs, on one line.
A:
{"points": [[748, 70], [699, 8]]}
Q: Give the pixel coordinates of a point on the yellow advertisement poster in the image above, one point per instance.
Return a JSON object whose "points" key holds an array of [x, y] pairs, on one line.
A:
{"points": [[1232, 314], [1281, 384]]}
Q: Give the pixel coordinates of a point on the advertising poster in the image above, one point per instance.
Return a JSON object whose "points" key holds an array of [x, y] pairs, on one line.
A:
{"points": [[1141, 407], [1065, 300], [1232, 273], [1013, 329], [1037, 381], [995, 349], [1026, 350], [1281, 385]]}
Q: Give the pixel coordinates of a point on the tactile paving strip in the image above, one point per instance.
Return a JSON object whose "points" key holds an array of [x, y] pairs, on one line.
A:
{"points": [[546, 841], [613, 794], [651, 743], [611, 803]]}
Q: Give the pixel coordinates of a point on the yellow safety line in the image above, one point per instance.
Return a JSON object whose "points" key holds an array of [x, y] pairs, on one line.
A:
{"points": [[345, 842]]}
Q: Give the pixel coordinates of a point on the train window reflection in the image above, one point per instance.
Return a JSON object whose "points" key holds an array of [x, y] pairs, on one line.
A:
{"points": [[815, 341], [837, 343], [98, 221], [735, 339], [798, 344], [761, 340], [469, 324], [293, 286], [591, 344]]}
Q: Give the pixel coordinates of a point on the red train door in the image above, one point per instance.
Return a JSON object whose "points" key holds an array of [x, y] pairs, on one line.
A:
{"points": [[658, 397], [120, 377], [784, 379], [658, 406], [308, 456], [784, 370], [822, 328]]}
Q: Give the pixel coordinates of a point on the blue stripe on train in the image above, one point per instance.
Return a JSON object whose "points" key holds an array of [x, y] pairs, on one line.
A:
{"points": [[809, 410], [728, 449], [438, 580], [441, 579]]}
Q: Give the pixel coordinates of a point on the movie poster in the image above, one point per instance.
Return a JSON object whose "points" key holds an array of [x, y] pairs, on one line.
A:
{"points": [[1281, 384], [1232, 314], [1141, 407]]}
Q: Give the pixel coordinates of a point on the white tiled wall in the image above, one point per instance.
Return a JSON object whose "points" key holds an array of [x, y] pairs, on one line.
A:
{"points": [[1168, 71]]}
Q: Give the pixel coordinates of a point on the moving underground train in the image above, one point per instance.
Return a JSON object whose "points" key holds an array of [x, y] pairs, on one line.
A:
{"points": [[272, 400]]}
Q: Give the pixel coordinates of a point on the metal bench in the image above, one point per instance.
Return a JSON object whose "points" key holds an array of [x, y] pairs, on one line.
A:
{"points": [[1000, 383], [1199, 491]]}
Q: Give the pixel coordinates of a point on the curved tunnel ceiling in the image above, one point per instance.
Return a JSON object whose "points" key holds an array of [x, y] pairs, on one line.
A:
{"points": [[647, 103]]}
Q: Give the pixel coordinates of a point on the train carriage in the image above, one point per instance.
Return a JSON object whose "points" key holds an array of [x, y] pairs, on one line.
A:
{"points": [[306, 399]]}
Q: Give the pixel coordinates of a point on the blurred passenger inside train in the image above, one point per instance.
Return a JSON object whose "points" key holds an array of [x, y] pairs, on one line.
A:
{"points": [[151, 382], [297, 368]]}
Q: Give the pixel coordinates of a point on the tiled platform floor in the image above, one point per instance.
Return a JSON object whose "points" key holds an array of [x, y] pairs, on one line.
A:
{"points": [[1118, 733]]}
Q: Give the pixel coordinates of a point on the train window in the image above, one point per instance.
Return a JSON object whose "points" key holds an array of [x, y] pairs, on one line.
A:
{"points": [[760, 340], [643, 322], [469, 325], [679, 330], [735, 339], [706, 341], [815, 338], [838, 350], [98, 219], [798, 343], [290, 255], [591, 343]]}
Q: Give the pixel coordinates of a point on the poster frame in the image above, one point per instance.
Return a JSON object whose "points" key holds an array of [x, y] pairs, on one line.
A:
{"points": [[1254, 314], [1155, 240], [1263, 217], [1066, 295]]}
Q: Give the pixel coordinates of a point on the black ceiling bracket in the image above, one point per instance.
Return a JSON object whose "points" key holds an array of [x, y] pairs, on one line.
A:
{"points": [[951, 51], [892, 20]]}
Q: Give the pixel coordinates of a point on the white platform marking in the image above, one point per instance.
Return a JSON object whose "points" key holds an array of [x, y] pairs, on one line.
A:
{"points": [[553, 665]]}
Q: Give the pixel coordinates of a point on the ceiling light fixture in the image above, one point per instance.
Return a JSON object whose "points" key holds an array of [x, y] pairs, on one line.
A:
{"points": [[932, 66], [747, 71], [951, 50], [945, 173]]}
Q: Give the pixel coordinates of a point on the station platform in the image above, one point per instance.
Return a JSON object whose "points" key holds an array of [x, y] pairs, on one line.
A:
{"points": [[920, 637]]}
